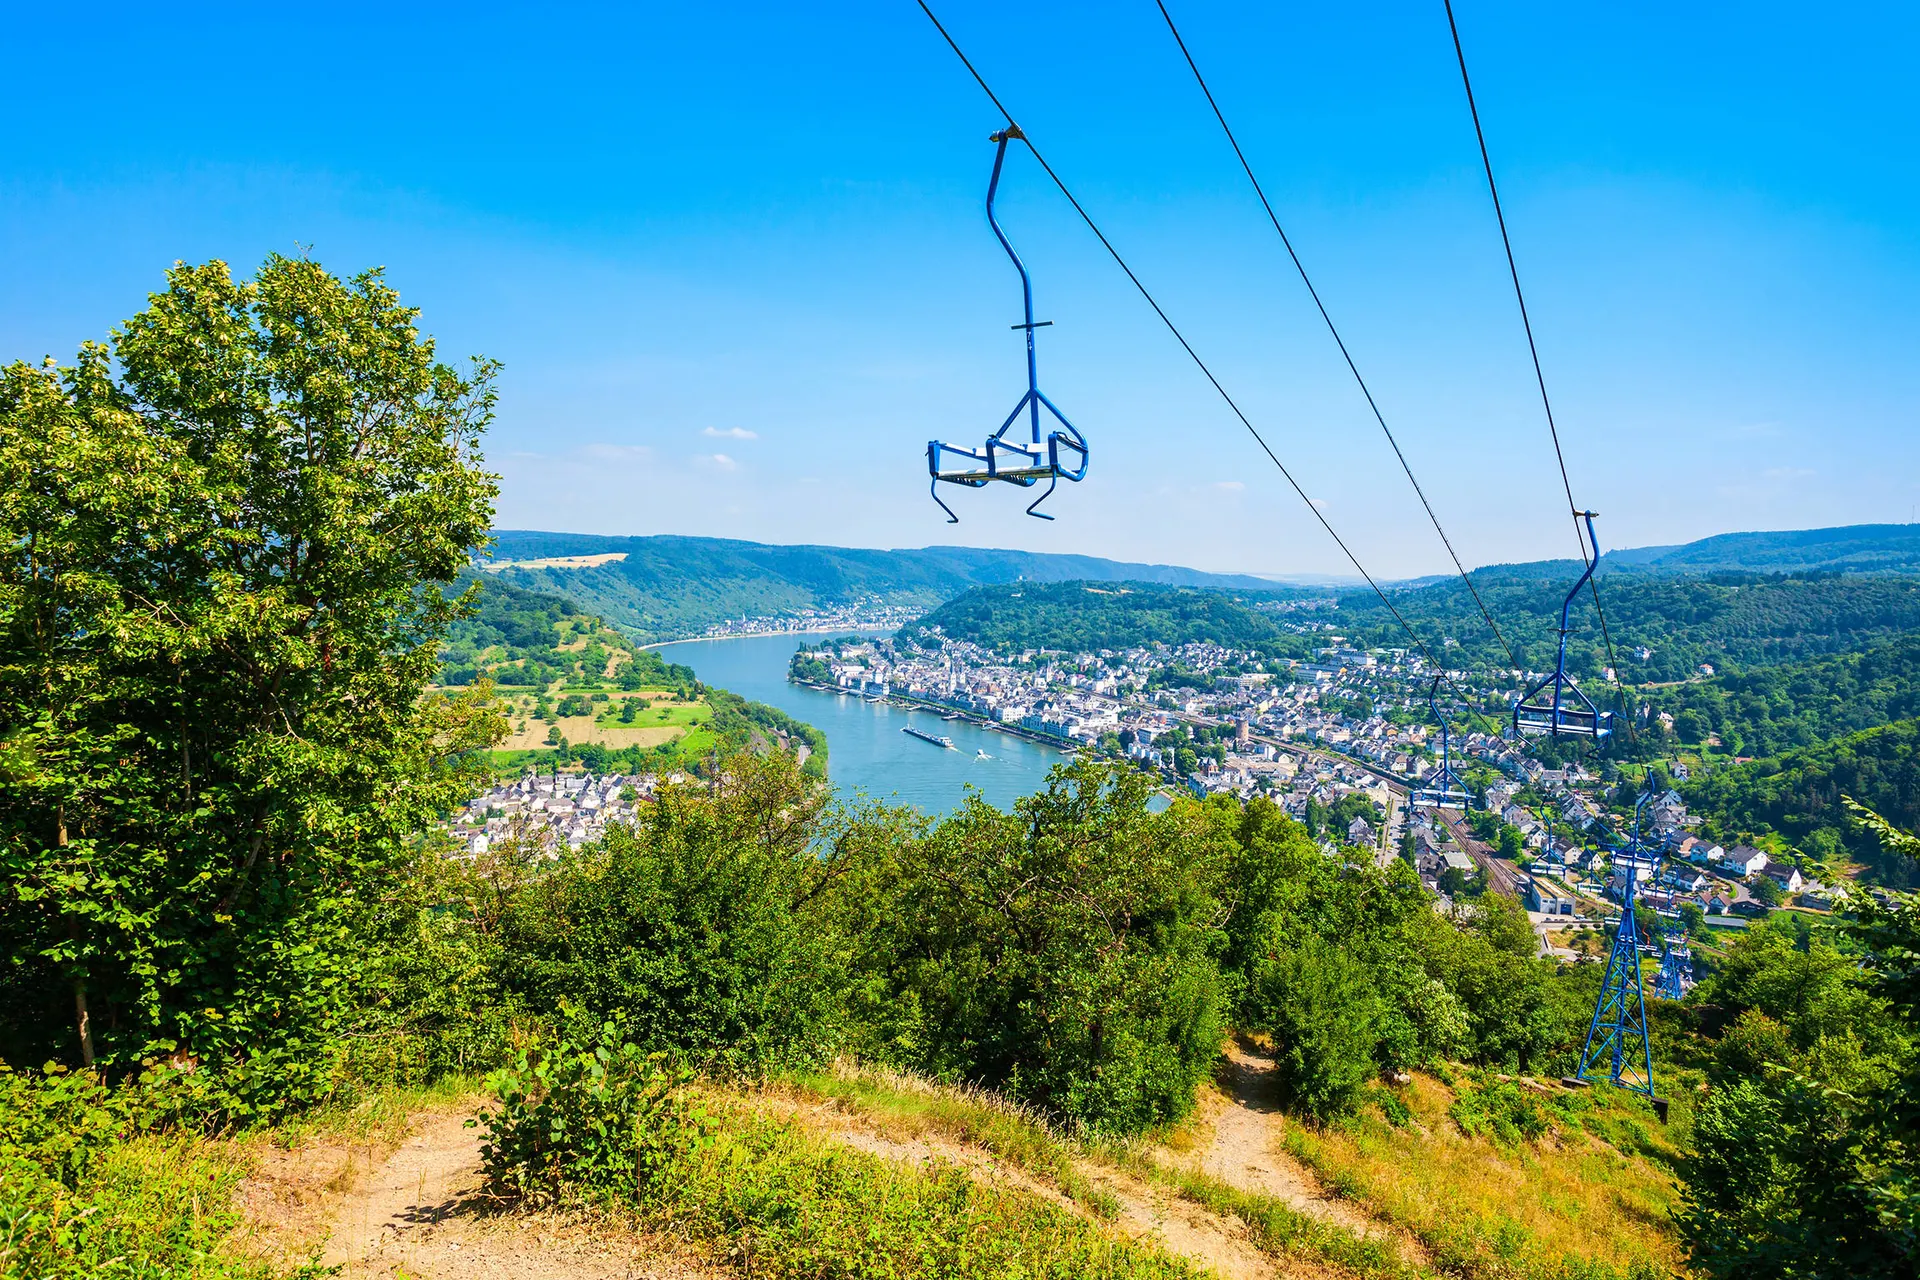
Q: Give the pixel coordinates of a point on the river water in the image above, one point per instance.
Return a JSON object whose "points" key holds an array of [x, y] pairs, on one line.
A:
{"points": [[865, 749]]}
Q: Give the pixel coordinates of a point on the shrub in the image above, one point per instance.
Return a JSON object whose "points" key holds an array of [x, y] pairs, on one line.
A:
{"points": [[1320, 1006], [705, 925], [1501, 1111], [587, 1113], [1063, 953]]}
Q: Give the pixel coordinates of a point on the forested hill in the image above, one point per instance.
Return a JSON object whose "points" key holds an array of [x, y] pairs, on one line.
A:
{"points": [[662, 587], [1083, 616], [1798, 796], [1798, 704], [1732, 620], [1859, 548]]}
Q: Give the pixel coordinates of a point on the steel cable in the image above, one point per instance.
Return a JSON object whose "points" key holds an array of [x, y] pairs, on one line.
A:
{"points": [[1334, 330], [1526, 323], [1186, 346]]}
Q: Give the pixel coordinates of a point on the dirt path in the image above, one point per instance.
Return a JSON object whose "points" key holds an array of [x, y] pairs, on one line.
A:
{"points": [[1246, 1153], [421, 1213], [1146, 1211]]}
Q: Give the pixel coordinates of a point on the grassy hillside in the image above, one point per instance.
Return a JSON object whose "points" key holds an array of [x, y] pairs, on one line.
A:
{"points": [[1085, 616], [664, 587], [571, 683]]}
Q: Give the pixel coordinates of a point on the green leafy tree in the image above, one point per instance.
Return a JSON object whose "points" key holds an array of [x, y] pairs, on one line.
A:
{"points": [[219, 602], [1064, 952], [1324, 1012], [1807, 1151]]}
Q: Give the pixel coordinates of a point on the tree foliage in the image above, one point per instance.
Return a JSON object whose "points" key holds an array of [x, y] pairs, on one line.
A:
{"points": [[1807, 1158], [217, 611], [1064, 951], [1800, 795], [1084, 617]]}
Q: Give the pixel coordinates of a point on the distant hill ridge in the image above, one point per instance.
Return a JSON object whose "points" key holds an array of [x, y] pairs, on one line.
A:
{"points": [[665, 586], [1858, 548]]}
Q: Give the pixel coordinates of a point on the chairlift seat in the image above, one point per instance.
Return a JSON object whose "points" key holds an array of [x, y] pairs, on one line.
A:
{"points": [[1440, 798], [1581, 721], [1053, 452]]}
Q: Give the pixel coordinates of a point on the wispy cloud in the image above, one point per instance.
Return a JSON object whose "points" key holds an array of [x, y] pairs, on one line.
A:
{"points": [[720, 460], [1230, 486], [601, 452], [729, 433]]}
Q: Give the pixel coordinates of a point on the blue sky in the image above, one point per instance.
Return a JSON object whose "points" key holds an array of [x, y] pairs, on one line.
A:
{"points": [[734, 260]]}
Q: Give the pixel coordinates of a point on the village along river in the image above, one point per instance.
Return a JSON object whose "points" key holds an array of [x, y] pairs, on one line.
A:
{"points": [[865, 749]]}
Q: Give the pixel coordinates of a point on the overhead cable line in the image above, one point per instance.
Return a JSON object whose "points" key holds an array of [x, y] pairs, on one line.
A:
{"points": [[1185, 345], [1526, 323], [1332, 329]]}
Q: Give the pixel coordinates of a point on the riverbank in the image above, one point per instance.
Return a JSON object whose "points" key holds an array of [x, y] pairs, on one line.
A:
{"points": [[949, 714]]}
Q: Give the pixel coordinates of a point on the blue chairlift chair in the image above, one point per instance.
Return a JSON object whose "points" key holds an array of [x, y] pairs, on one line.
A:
{"points": [[1555, 706], [1061, 454], [1444, 790]]}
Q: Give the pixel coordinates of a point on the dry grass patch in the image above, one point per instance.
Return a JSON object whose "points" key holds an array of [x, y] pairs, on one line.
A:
{"points": [[1565, 1204]]}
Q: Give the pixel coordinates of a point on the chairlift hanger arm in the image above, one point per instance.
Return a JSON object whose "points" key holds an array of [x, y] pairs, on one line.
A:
{"points": [[1053, 456]]}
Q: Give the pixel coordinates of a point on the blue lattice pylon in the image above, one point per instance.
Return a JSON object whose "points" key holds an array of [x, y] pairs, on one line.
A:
{"points": [[1617, 1046], [1676, 957]]}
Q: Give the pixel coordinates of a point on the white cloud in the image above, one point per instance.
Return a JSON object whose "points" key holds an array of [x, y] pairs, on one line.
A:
{"points": [[721, 461], [729, 433], [601, 452], [1318, 504], [1230, 486]]}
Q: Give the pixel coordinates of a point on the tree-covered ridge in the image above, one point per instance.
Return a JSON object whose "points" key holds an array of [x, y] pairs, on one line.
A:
{"points": [[521, 638], [1734, 620], [1772, 709], [1800, 796], [665, 587], [1088, 616]]}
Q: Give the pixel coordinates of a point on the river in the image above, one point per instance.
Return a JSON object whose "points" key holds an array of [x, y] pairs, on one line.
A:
{"points": [[865, 749]]}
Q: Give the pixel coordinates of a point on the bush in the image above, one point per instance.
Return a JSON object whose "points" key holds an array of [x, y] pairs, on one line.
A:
{"points": [[1063, 953], [1503, 1112], [88, 1189], [706, 925], [587, 1113], [1322, 1010]]}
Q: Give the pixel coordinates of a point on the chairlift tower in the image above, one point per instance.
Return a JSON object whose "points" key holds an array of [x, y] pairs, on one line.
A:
{"points": [[1676, 963], [1617, 1046]]}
